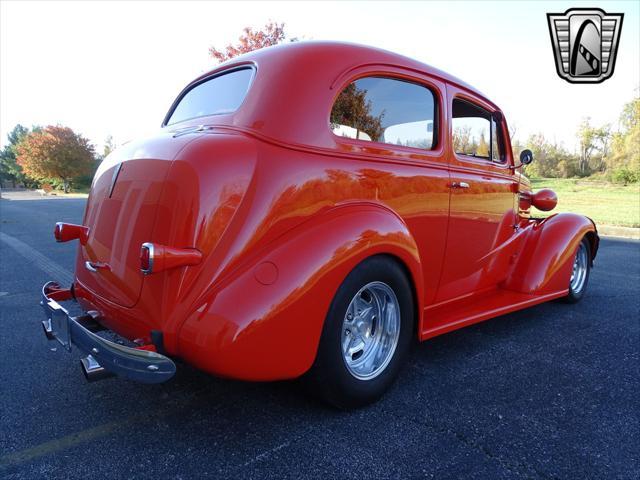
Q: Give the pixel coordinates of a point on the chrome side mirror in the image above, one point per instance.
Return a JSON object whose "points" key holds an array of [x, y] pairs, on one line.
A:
{"points": [[526, 157]]}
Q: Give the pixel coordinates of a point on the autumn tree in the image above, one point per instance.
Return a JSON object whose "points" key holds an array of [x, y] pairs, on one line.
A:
{"points": [[55, 152], [352, 109], [271, 34]]}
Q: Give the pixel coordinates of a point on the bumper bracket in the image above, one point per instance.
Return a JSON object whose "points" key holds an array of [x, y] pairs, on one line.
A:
{"points": [[136, 364]]}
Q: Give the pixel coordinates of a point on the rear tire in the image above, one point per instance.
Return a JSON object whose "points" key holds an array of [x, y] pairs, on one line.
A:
{"points": [[366, 335], [580, 272]]}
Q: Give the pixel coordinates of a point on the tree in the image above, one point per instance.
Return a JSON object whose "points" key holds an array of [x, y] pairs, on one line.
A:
{"points": [[462, 139], [624, 161], [594, 146], [550, 159], [603, 139], [9, 168], [352, 109], [250, 40], [483, 146], [55, 152], [109, 146]]}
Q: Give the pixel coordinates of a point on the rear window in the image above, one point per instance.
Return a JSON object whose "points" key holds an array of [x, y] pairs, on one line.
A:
{"points": [[385, 110], [221, 94]]}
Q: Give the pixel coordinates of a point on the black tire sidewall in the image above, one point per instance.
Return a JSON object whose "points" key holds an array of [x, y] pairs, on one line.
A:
{"points": [[337, 384]]}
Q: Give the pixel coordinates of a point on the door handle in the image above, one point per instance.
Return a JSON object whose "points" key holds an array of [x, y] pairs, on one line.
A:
{"points": [[459, 185], [95, 266]]}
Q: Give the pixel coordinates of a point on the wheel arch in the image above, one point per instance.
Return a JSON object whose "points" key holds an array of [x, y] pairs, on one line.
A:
{"points": [[594, 243], [544, 266], [235, 335]]}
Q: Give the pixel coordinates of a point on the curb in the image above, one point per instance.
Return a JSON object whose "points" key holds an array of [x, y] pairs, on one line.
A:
{"points": [[621, 232]]}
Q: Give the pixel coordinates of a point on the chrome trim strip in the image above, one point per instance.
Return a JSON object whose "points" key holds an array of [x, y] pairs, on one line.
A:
{"points": [[59, 225], [114, 178]]}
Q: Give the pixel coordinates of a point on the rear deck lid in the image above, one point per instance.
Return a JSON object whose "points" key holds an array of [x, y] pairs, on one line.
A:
{"points": [[121, 213]]}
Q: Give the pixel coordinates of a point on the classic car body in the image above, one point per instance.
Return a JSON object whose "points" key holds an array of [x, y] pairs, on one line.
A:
{"points": [[257, 215]]}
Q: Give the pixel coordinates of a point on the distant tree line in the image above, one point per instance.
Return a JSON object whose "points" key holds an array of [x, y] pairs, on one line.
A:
{"points": [[60, 158], [54, 156], [602, 151]]}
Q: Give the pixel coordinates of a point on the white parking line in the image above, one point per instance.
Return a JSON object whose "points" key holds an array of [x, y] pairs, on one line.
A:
{"points": [[60, 274]]}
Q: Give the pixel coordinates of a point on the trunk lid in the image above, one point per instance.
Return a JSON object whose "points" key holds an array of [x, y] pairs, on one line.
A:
{"points": [[121, 213]]}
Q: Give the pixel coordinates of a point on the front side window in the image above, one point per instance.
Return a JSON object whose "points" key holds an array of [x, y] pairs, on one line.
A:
{"points": [[385, 110], [475, 131], [221, 94]]}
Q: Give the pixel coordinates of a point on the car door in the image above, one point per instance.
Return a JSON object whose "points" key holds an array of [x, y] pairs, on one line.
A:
{"points": [[482, 198], [393, 118]]}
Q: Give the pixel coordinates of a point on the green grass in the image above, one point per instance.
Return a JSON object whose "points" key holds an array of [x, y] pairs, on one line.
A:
{"points": [[606, 203]]}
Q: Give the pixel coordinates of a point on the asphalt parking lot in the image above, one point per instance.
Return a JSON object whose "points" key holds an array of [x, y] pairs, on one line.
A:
{"points": [[549, 392]]}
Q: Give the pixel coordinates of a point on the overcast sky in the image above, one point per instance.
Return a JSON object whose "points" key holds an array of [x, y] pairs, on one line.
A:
{"points": [[113, 68]]}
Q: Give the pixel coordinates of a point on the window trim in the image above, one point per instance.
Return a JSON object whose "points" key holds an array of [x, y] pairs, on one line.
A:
{"points": [[400, 77], [502, 157], [220, 73], [491, 112]]}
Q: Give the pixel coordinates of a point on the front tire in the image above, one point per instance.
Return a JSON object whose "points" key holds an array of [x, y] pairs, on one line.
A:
{"points": [[366, 335], [580, 272]]}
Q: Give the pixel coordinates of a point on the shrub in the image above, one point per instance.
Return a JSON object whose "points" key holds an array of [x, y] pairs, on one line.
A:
{"points": [[625, 175]]}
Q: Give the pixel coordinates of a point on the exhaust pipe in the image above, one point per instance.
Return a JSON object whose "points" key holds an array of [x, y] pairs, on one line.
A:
{"points": [[92, 369]]}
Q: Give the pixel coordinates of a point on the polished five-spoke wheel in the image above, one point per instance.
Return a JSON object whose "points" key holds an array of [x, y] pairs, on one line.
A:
{"points": [[370, 330], [366, 335], [580, 269], [580, 272]]}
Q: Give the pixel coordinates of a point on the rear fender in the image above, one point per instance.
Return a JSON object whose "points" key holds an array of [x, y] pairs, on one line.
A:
{"points": [[264, 320], [545, 263]]}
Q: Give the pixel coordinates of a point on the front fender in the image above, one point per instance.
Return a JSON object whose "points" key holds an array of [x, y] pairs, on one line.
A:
{"points": [[545, 263], [264, 320]]}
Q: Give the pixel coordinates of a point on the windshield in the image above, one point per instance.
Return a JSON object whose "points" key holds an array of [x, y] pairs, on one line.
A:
{"points": [[223, 93]]}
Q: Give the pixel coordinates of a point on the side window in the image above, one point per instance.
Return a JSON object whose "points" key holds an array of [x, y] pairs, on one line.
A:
{"points": [[475, 131], [386, 110]]}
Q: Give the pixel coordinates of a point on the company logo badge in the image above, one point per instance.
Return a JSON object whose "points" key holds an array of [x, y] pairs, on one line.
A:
{"points": [[585, 43]]}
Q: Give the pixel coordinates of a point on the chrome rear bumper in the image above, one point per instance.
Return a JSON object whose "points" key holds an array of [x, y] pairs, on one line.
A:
{"points": [[133, 363]]}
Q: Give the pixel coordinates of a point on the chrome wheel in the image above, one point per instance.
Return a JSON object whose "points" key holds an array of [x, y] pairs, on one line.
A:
{"points": [[370, 330], [580, 269]]}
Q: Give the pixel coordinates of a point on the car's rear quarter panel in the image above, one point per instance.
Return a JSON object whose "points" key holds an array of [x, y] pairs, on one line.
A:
{"points": [[297, 211]]}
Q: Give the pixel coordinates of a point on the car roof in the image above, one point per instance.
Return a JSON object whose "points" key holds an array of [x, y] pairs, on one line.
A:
{"points": [[319, 50], [296, 83]]}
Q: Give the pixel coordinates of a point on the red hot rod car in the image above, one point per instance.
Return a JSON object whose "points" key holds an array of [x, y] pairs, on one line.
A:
{"points": [[310, 209]]}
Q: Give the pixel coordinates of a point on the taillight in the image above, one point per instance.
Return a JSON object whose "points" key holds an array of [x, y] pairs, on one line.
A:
{"points": [[68, 231], [146, 258], [157, 258]]}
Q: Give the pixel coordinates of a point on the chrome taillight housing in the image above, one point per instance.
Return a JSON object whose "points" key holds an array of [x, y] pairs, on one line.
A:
{"points": [[157, 258], [146, 258]]}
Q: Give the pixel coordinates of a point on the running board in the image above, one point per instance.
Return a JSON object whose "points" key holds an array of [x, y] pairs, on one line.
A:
{"points": [[451, 315]]}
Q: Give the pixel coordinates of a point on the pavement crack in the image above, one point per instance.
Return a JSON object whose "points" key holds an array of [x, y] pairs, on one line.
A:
{"points": [[518, 468]]}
